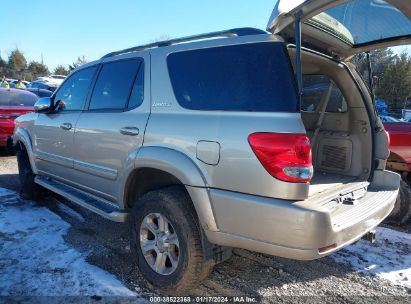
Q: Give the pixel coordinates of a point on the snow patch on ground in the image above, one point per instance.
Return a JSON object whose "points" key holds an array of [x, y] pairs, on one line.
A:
{"points": [[36, 261], [389, 257]]}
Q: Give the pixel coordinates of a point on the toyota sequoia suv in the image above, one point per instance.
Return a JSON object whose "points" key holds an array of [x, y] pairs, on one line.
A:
{"points": [[223, 140]]}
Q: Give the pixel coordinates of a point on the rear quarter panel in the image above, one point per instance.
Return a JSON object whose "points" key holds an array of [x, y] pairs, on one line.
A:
{"points": [[238, 169]]}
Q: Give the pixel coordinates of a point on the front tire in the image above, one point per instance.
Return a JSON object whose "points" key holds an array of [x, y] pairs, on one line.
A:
{"points": [[28, 188], [165, 240]]}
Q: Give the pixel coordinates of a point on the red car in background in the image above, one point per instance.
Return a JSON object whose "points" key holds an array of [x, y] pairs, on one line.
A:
{"points": [[400, 144], [400, 161], [13, 103]]}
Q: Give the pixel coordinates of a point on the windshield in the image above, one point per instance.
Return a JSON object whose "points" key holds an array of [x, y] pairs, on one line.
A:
{"points": [[363, 21]]}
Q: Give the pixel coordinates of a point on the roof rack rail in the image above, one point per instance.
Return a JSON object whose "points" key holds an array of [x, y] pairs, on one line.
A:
{"points": [[245, 31]]}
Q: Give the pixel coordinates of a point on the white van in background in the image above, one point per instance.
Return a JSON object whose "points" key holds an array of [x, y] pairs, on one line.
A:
{"points": [[57, 79]]}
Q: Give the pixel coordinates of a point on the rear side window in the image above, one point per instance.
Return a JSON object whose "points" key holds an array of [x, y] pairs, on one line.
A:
{"points": [[137, 94], [317, 89], [249, 77], [13, 98], [114, 85]]}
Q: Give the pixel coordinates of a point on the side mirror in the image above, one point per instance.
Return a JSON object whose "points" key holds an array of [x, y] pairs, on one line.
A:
{"points": [[43, 105]]}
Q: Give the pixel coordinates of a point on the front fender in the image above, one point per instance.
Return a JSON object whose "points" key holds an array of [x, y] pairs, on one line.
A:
{"points": [[22, 136], [186, 171]]}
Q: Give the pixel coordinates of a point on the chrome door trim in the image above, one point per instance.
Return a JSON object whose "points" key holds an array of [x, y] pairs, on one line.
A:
{"points": [[55, 159], [96, 170]]}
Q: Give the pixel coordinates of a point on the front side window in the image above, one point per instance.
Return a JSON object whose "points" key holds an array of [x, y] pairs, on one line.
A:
{"points": [[320, 89], [72, 94], [114, 84], [249, 77]]}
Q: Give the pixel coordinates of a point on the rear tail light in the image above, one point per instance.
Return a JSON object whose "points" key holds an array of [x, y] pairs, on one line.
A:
{"points": [[285, 156]]}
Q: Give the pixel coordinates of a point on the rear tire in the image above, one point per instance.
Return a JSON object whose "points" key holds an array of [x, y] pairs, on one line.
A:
{"points": [[28, 188], [184, 267], [401, 213]]}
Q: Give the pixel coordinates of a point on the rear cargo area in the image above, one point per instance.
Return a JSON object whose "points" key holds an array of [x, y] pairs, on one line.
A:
{"points": [[337, 123]]}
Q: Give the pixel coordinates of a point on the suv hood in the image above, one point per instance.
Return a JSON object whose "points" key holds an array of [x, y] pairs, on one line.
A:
{"points": [[343, 28]]}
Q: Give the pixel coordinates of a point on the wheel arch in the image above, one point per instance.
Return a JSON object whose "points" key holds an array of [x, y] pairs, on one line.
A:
{"points": [[159, 167], [22, 141]]}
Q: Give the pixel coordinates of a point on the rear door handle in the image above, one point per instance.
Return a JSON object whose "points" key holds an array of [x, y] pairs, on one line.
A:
{"points": [[66, 126], [132, 131]]}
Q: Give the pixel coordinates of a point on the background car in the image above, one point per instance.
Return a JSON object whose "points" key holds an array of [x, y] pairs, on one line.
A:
{"points": [[13, 103], [42, 85], [12, 82], [40, 92], [386, 118], [400, 162], [55, 79]]}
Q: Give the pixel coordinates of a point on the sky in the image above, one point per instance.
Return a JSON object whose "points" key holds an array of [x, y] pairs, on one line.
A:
{"points": [[60, 31]]}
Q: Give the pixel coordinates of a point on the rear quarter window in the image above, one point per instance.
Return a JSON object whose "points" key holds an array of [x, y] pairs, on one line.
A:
{"points": [[249, 77]]}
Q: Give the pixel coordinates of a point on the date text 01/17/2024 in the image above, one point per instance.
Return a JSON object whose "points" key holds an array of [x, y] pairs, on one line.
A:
{"points": [[199, 299]]}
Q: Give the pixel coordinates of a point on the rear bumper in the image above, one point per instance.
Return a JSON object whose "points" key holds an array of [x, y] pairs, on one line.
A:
{"points": [[297, 230]]}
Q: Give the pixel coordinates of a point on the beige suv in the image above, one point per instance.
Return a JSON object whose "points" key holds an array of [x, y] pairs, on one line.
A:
{"points": [[207, 143]]}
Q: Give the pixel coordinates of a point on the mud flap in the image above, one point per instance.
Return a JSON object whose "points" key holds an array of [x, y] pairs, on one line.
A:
{"points": [[370, 236], [214, 253]]}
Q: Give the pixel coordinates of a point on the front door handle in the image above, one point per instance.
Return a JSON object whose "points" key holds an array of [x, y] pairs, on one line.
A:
{"points": [[132, 131], [66, 126]]}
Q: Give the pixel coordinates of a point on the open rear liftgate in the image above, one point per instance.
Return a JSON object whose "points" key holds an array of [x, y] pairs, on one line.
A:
{"points": [[369, 236]]}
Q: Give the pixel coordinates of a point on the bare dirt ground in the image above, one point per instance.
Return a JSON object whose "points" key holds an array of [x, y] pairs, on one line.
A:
{"points": [[245, 274]]}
